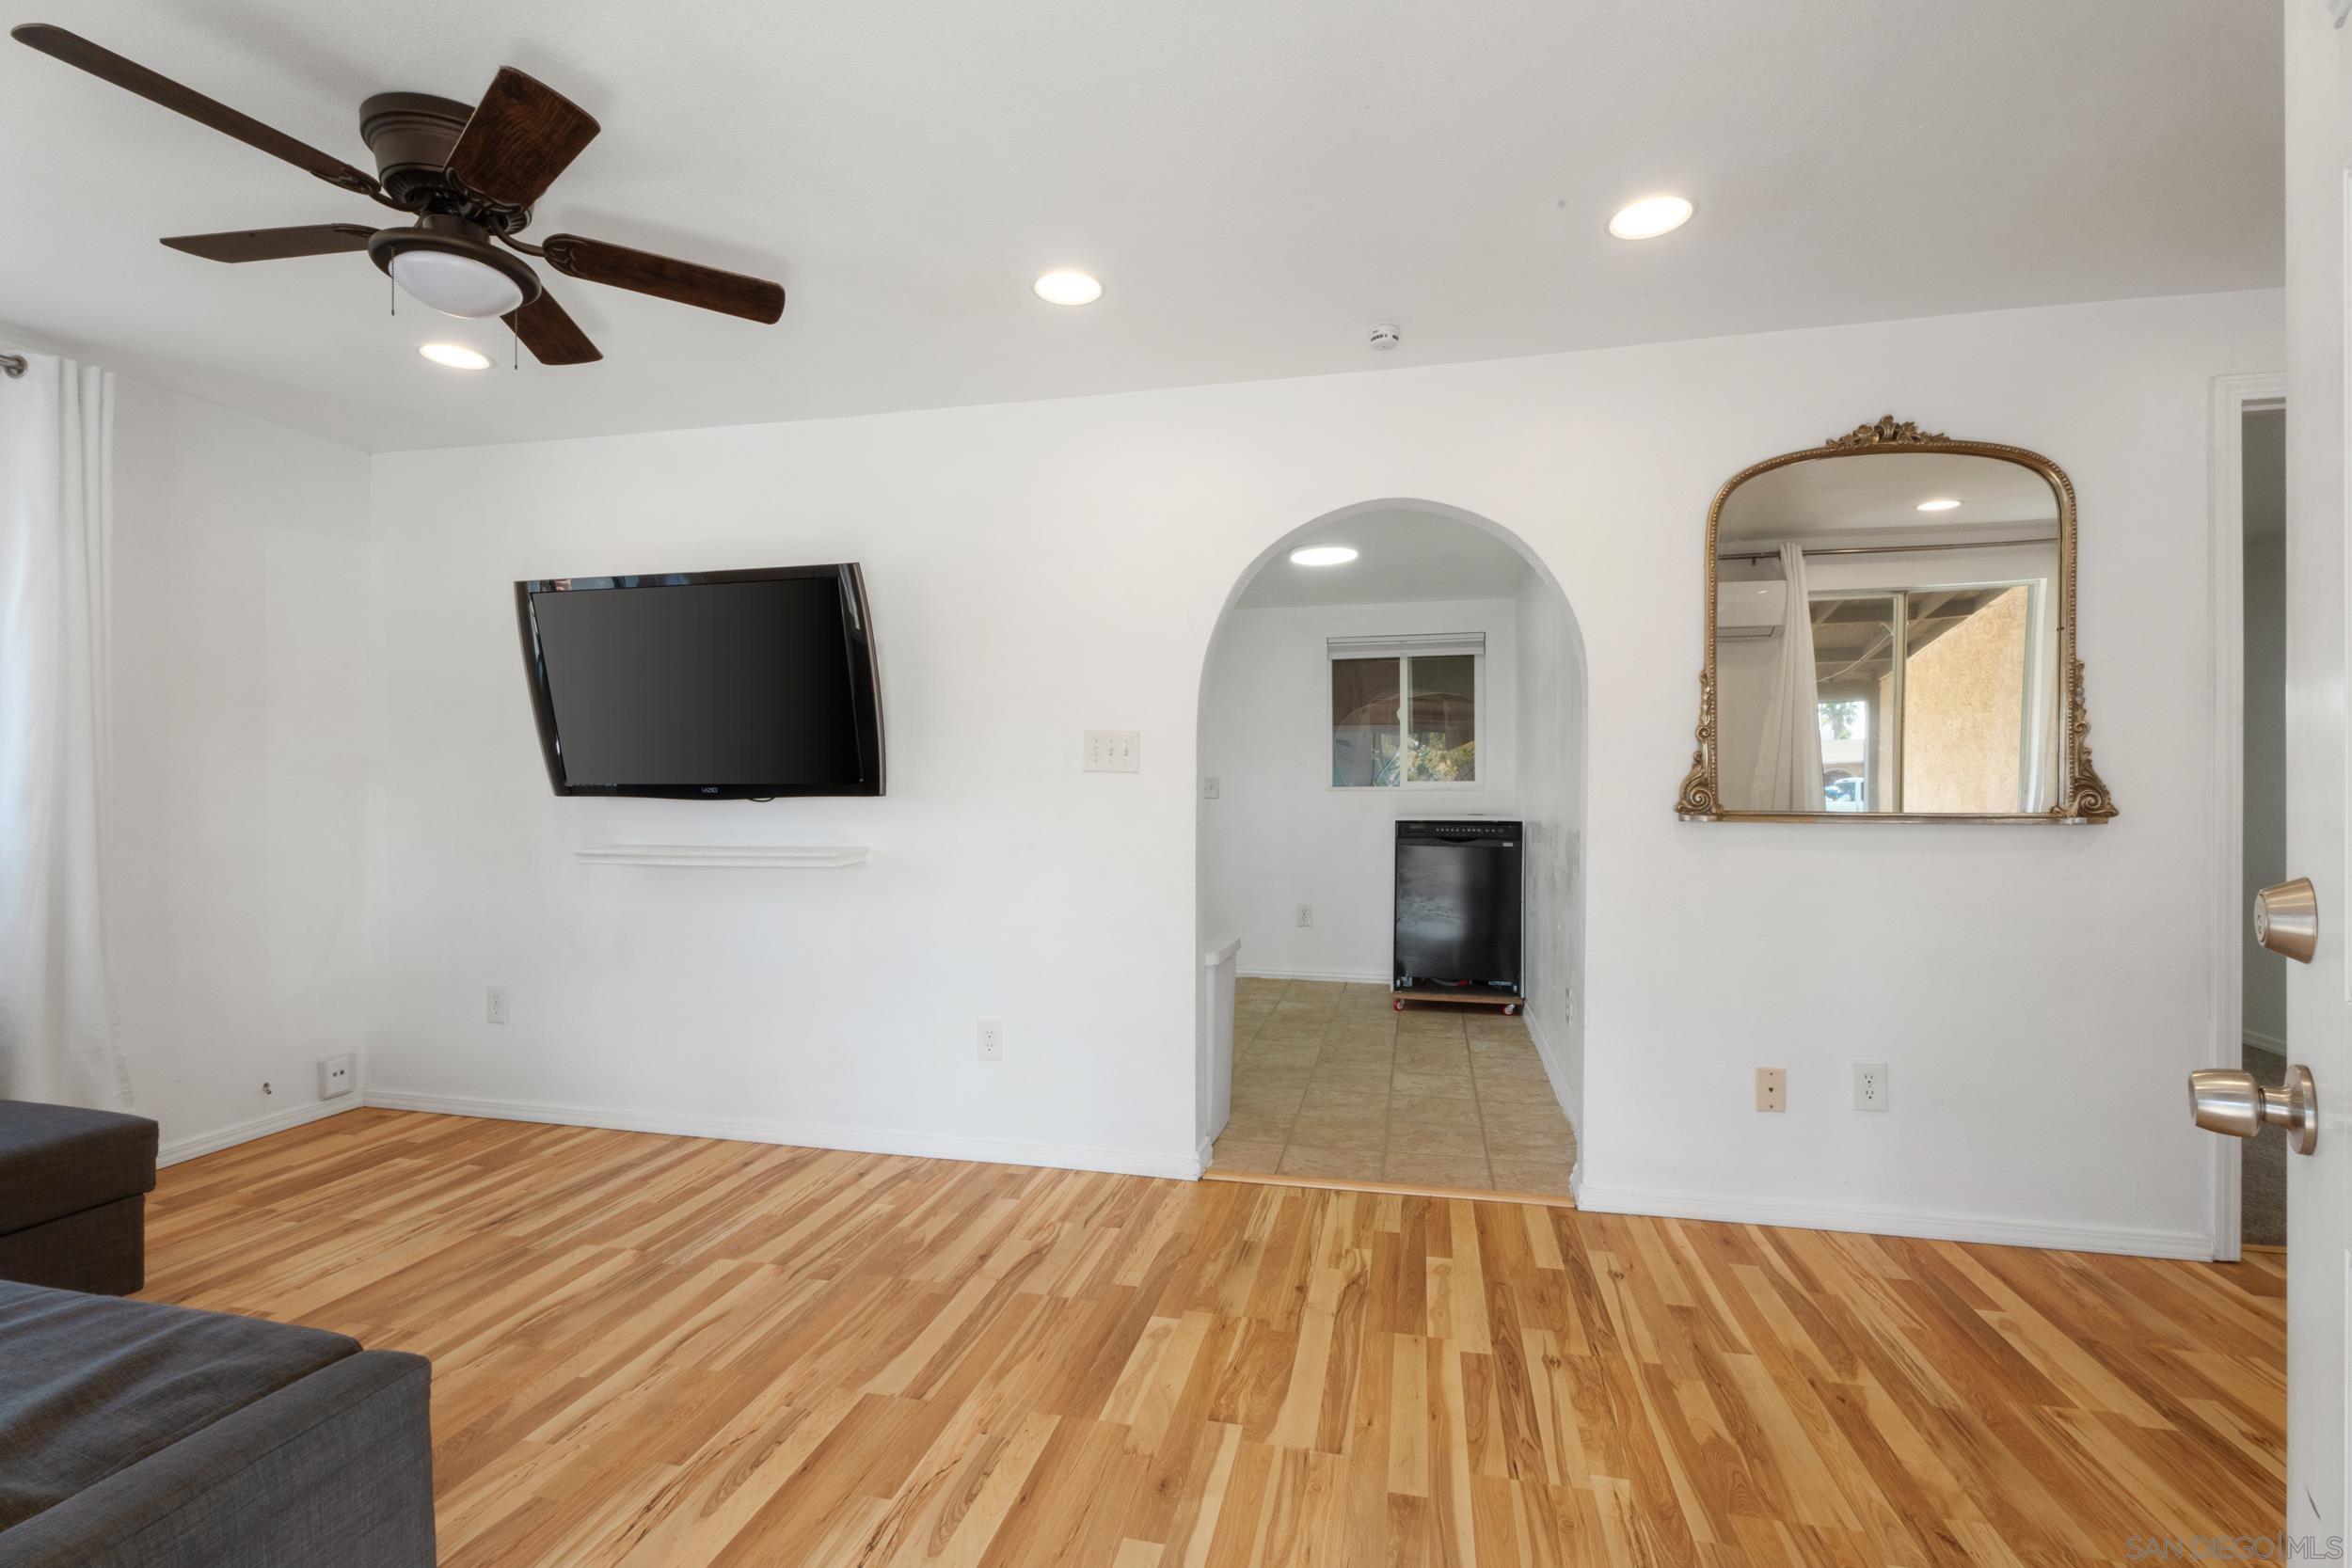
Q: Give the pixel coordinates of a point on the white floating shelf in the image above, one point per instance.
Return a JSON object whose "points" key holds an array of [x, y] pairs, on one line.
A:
{"points": [[800, 857]]}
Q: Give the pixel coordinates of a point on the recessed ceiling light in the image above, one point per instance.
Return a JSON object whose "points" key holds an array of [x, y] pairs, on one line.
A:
{"points": [[1068, 286], [1941, 504], [457, 357], [1322, 555], [1649, 217]]}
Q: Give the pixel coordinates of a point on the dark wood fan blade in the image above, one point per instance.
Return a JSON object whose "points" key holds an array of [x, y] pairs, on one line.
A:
{"points": [[751, 298], [548, 331], [130, 76], [523, 134], [275, 245]]}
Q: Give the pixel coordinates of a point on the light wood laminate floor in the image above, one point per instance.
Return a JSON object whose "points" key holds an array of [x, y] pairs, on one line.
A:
{"points": [[1330, 1080], [668, 1351]]}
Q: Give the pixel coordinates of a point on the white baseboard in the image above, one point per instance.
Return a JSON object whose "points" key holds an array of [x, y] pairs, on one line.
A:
{"points": [[863, 1140], [1381, 977], [260, 1127], [1892, 1222], [2264, 1042]]}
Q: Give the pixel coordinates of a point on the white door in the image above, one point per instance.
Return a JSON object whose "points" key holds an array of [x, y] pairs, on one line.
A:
{"points": [[2319, 1186]]}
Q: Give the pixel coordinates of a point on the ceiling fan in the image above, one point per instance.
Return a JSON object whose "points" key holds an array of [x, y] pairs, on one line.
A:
{"points": [[468, 176]]}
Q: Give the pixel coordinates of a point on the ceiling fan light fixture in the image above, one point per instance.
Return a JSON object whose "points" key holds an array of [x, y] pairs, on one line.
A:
{"points": [[449, 264], [457, 357], [455, 285]]}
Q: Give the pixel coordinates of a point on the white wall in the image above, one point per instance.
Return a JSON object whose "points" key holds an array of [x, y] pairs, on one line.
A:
{"points": [[1038, 569], [235, 865], [1551, 800], [1279, 835]]}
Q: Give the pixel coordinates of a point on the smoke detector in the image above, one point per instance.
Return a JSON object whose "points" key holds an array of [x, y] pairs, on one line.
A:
{"points": [[1384, 336]]}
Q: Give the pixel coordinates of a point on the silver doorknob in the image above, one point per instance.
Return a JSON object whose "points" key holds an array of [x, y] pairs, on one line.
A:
{"points": [[2287, 919], [2224, 1101]]}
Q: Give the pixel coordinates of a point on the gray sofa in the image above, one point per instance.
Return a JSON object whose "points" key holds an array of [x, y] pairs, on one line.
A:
{"points": [[73, 1186], [138, 1436]]}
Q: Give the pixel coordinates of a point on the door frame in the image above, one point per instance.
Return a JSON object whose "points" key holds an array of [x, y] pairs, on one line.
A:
{"points": [[2232, 397]]}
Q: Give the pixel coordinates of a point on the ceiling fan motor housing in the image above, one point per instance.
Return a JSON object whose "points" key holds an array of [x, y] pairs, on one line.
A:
{"points": [[411, 134]]}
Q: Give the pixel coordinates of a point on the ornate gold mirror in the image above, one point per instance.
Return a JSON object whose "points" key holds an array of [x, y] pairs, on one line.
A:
{"points": [[1890, 636]]}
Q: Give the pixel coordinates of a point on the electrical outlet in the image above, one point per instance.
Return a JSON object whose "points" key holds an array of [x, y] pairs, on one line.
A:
{"points": [[1771, 1088], [334, 1077], [991, 1039], [1209, 787], [1114, 750], [1305, 915], [1869, 1085], [497, 1012]]}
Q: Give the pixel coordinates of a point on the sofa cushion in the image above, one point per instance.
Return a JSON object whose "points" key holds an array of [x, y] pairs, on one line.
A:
{"points": [[101, 1250], [59, 1160], [91, 1384]]}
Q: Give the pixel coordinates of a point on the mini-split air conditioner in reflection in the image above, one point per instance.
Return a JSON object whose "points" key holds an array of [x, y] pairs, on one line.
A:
{"points": [[1749, 610]]}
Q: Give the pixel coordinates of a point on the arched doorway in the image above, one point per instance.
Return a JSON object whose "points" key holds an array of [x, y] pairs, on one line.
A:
{"points": [[1436, 676]]}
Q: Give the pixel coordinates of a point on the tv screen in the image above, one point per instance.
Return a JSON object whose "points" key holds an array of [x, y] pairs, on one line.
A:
{"points": [[705, 685]]}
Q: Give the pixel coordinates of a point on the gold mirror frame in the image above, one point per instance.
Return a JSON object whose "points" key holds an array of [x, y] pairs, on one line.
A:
{"points": [[2082, 795]]}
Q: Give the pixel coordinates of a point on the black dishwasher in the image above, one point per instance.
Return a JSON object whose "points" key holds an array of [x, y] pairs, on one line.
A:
{"points": [[1458, 895]]}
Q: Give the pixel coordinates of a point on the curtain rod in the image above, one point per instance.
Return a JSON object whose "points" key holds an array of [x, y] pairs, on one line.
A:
{"points": [[11, 364], [1886, 549]]}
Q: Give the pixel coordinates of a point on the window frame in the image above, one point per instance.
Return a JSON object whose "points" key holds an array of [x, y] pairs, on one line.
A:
{"points": [[1404, 650]]}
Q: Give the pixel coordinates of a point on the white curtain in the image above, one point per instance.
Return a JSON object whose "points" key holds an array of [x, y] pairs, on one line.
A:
{"points": [[57, 1040], [1787, 773], [2046, 704]]}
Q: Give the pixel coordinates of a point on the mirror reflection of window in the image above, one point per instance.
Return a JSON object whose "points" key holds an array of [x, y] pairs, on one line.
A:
{"points": [[1845, 755], [1853, 652], [1927, 583]]}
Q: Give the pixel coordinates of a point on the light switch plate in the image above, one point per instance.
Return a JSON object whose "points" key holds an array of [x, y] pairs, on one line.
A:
{"points": [[1114, 750]]}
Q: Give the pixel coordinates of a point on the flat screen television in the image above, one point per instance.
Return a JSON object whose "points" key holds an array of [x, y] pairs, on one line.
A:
{"points": [[705, 686]]}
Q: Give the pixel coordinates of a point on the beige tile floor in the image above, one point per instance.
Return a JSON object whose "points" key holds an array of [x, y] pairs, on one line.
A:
{"points": [[1329, 1080]]}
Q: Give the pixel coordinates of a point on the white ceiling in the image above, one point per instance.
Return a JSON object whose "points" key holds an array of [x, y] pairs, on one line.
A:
{"points": [[1403, 556], [1255, 181]]}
